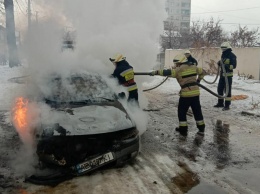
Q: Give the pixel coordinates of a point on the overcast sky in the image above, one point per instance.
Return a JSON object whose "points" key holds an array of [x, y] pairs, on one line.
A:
{"points": [[232, 12]]}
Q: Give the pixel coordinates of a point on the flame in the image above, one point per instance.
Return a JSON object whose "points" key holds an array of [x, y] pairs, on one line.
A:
{"points": [[23, 191], [20, 114]]}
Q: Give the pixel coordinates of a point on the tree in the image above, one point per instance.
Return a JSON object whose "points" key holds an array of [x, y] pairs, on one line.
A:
{"points": [[10, 33], [206, 34], [214, 33], [243, 37], [171, 37], [197, 34]]}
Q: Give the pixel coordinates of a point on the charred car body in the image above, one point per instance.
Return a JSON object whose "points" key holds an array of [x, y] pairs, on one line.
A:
{"points": [[88, 128]]}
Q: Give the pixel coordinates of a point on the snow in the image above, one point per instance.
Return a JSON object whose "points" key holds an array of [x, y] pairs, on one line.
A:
{"points": [[90, 120], [239, 87], [161, 150]]}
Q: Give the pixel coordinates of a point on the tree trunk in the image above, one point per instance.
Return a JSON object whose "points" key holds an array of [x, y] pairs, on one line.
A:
{"points": [[10, 33]]}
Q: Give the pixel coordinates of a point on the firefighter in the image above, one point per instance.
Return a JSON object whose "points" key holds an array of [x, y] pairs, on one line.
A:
{"points": [[230, 62], [125, 75], [187, 76], [191, 59]]}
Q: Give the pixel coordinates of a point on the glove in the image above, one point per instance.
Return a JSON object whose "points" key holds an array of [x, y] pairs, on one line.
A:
{"points": [[152, 73], [198, 80], [121, 95]]}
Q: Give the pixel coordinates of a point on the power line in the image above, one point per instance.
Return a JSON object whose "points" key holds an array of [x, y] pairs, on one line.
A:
{"points": [[229, 14], [20, 7], [227, 10], [23, 4], [242, 24], [230, 23]]}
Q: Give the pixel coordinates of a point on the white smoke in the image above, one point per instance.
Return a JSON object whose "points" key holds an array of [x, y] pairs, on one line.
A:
{"points": [[102, 28]]}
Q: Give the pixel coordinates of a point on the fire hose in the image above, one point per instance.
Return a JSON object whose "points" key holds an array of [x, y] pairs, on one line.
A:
{"points": [[214, 79], [147, 73], [200, 85]]}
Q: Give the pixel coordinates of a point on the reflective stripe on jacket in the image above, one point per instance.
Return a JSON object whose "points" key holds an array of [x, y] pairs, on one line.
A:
{"points": [[186, 75], [230, 61], [125, 75]]}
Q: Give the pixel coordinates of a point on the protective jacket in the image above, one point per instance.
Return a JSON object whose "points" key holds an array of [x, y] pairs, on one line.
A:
{"points": [[186, 76], [230, 61], [125, 75], [192, 60]]}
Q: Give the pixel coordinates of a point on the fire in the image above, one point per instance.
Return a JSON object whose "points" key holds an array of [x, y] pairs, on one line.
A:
{"points": [[20, 114]]}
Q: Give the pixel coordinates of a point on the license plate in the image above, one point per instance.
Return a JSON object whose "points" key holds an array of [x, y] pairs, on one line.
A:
{"points": [[95, 162]]}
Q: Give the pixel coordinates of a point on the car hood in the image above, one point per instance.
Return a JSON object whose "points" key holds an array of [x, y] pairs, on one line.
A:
{"points": [[92, 119]]}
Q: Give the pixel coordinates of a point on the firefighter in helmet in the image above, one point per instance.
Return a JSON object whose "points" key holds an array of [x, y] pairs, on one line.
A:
{"points": [[125, 75], [229, 60], [187, 75], [190, 58]]}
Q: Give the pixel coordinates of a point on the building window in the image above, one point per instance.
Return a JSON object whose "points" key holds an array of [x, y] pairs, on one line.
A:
{"points": [[185, 12], [185, 25], [185, 4]]}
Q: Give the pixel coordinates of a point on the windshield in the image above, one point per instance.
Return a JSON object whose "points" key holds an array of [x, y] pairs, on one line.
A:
{"points": [[83, 88]]}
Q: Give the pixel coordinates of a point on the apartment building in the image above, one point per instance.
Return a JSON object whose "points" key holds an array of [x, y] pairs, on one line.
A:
{"points": [[178, 14]]}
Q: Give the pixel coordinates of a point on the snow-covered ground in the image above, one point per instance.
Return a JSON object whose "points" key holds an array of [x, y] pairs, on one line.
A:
{"points": [[223, 163]]}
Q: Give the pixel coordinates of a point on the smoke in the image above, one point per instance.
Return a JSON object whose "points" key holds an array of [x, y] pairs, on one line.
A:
{"points": [[102, 28]]}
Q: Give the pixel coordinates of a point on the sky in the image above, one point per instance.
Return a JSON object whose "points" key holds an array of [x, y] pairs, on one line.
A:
{"points": [[232, 12]]}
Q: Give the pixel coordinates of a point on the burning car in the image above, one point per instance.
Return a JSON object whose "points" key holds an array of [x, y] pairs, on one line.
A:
{"points": [[87, 128]]}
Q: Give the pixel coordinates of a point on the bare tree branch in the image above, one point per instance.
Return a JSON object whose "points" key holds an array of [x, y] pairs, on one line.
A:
{"points": [[243, 37], [206, 33]]}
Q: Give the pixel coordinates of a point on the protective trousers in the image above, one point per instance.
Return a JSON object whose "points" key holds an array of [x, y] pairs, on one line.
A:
{"points": [[133, 97], [184, 104], [222, 89]]}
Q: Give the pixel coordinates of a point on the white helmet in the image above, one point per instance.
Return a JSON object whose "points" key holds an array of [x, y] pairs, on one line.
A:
{"points": [[180, 59], [225, 45], [117, 58], [187, 52]]}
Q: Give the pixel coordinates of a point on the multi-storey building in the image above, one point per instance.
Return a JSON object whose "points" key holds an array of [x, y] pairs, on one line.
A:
{"points": [[178, 14]]}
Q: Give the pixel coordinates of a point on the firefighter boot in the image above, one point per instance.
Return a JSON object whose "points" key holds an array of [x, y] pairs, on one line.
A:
{"points": [[201, 129], [226, 108], [182, 130], [218, 105]]}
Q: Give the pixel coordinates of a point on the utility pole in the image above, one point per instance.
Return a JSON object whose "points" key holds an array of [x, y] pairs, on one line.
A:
{"points": [[10, 33], [29, 15]]}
